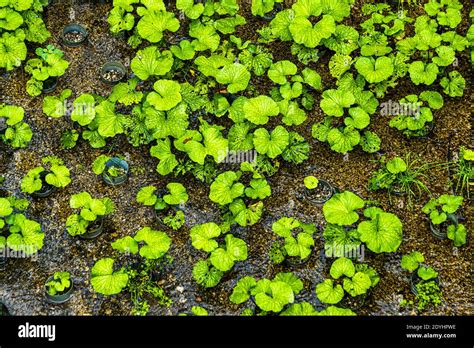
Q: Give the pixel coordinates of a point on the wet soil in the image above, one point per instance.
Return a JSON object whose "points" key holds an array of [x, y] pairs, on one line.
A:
{"points": [[23, 280]]}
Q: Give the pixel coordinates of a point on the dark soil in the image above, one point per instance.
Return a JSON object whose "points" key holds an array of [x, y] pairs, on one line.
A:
{"points": [[23, 281]]}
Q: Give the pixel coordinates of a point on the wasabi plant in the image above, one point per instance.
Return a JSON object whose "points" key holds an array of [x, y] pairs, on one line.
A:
{"points": [[442, 213], [262, 7], [415, 117], [50, 63], [69, 139], [54, 106], [374, 70], [126, 93], [271, 144], [412, 261], [346, 277], [149, 243], [100, 118], [13, 131], [230, 193], [306, 309], [298, 237], [91, 214], [258, 110], [148, 20], [112, 169], [256, 58], [381, 231], [151, 62], [55, 174], [19, 233], [167, 202], [107, 281], [447, 12], [353, 106], [311, 182], [221, 256], [424, 282], [453, 84], [20, 22], [226, 188], [296, 24], [269, 295], [139, 278], [60, 283]]}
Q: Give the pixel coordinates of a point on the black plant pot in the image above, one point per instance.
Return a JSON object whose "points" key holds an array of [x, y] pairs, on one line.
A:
{"points": [[176, 39], [112, 73], [270, 15], [156, 274], [4, 312], [415, 280], [117, 163], [59, 298], [320, 194], [440, 231], [74, 35], [46, 189], [50, 84], [397, 191], [3, 124], [355, 303], [230, 97], [95, 230], [427, 131], [296, 261], [161, 214]]}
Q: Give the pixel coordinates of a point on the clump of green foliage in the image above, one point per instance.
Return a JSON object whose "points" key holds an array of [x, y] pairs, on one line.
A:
{"points": [[13, 131], [425, 284], [356, 280], [50, 63], [92, 211], [60, 283], [463, 172], [19, 233], [401, 176], [138, 276], [56, 174], [442, 212], [380, 231], [169, 203], [269, 295], [221, 255], [414, 118], [20, 22], [298, 236]]}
